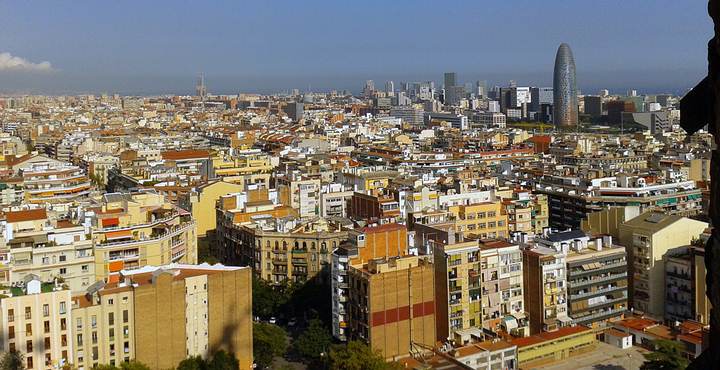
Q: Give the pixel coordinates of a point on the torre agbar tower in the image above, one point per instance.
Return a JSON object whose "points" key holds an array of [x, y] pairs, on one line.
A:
{"points": [[565, 101]]}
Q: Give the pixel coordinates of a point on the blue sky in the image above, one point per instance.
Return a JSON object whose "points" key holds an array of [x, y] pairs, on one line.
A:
{"points": [[151, 47]]}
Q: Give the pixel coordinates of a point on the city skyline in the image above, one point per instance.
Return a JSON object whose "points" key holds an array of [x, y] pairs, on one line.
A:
{"points": [[66, 50]]}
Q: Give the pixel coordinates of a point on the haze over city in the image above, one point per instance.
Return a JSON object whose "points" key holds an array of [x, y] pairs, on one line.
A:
{"points": [[158, 47], [359, 185]]}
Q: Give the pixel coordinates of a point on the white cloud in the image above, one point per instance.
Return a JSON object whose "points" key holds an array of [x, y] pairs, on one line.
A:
{"points": [[8, 62]]}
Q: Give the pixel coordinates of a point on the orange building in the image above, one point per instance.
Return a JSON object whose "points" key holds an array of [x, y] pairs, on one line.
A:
{"points": [[389, 240], [394, 307]]}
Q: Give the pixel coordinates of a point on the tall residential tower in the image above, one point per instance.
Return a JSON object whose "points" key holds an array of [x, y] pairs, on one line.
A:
{"points": [[565, 101]]}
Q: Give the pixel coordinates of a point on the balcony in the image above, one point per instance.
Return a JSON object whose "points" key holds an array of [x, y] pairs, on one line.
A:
{"points": [[599, 280], [597, 292]]}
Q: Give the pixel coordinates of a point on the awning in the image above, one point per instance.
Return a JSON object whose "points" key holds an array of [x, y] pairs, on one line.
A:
{"points": [[564, 319], [509, 322], [120, 234], [108, 222], [519, 315]]}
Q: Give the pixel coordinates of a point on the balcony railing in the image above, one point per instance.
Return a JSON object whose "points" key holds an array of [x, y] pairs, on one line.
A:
{"points": [[599, 280], [174, 232]]}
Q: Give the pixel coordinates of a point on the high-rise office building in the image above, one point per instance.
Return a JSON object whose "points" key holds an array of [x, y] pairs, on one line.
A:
{"points": [[389, 87], [450, 79], [593, 105], [540, 96], [295, 110], [565, 101]]}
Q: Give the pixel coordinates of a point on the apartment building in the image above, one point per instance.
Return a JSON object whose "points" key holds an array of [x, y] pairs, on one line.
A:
{"points": [[54, 183], [647, 238], [571, 198], [526, 212], [597, 281], [35, 319], [458, 288], [685, 288], [281, 249], [392, 305], [545, 289], [38, 244], [302, 195], [103, 320], [501, 281], [484, 220], [202, 200], [131, 230], [362, 246], [162, 315], [245, 168]]}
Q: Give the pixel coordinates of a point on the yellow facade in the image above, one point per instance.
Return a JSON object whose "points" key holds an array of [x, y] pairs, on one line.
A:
{"points": [[486, 220], [202, 204], [139, 229], [551, 347], [104, 326]]}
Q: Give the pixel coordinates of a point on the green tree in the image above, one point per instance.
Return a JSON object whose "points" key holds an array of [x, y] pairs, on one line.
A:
{"points": [[193, 363], [314, 342], [266, 300], [12, 360], [358, 356], [133, 365], [269, 341], [223, 361], [668, 355]]}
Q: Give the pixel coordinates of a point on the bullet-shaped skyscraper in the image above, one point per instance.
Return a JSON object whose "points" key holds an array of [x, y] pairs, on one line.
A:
{"points": [[565, 101]]}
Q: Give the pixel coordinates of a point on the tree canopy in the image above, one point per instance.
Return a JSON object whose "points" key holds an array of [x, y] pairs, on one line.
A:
{"points": [[314, 342], [268, 341], [358, 356], [12, 360], [668, 355]]}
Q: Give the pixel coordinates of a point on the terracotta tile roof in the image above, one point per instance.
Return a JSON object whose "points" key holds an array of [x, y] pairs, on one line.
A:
{"points": [[381, 228], [26, 215], [636, 323], [185, 154]]}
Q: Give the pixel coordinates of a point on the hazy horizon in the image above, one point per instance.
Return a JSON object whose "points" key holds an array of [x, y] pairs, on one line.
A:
{"points": [[158, 48]]}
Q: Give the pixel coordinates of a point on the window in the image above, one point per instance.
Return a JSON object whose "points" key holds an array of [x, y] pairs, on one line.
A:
{"points": [[85, 268], [63, 258], [126, 331], [79, 323], [11, 315], [11, 332], [28, 329], [62, 308], [63, 271], [111, 333], [125, 316], [93, 321], [29, 346], [79, 340], [94, 337], [29, 360], [47, 343], [28, 313], [46, 310], [111, 318], [110, 301], [46, 327]]}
